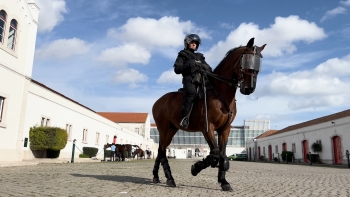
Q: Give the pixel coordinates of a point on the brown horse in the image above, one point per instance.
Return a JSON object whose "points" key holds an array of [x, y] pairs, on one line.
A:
{"points": [[239, 68], [140, 153], [120, 150]]}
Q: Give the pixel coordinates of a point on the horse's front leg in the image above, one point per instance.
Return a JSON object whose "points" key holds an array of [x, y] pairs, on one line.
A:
{"points": [[224, 163], [212, 159]]}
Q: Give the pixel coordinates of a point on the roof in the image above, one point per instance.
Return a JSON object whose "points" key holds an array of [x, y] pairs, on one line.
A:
{"points": [[323, 119], [153, 125], [267, 133], [125, 117]]}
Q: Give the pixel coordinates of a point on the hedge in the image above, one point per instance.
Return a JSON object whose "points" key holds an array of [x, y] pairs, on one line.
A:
{"points": [[288, 154], [91, 151], [47, 138]]}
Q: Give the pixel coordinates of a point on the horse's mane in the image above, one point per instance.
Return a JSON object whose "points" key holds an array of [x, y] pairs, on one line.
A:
{"points": [[228, 53]]}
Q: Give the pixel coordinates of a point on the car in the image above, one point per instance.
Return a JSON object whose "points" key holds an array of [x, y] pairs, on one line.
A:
{"points": [[238, 157]]}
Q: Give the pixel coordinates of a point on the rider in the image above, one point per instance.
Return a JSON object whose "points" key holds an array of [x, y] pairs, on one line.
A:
{"points": [[188, 63]]}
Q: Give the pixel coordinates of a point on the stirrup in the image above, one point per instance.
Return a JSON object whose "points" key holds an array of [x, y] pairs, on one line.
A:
{"points": [[184, 122]]}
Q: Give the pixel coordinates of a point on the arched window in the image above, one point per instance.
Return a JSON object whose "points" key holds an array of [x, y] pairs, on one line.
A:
{"points": [[2, 25], [12, 35]]}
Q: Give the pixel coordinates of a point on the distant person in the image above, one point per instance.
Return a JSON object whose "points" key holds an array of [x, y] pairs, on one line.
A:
{"points": [[132, 151], [113, 147]]}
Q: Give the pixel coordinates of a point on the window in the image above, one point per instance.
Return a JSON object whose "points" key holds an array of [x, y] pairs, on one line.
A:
{"points": [[85, 133], [276, 149], [69, 131], [137, 130], [2, 25], [97, 140], [293, 148], [107, 139], [12, 35]]}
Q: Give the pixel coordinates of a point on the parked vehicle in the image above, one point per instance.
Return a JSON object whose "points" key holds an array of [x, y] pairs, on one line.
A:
{"points": [[238, 157]]}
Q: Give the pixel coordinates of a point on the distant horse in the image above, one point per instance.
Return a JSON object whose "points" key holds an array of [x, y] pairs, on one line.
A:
{"points": [[148, 152], [121, 150], [139, 153], [238, 69]]}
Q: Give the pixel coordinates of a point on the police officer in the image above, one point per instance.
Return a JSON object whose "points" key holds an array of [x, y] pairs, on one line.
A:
{"points": [[189, 63]]}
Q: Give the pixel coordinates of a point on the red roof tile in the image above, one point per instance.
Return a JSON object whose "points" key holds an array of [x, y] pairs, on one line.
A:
{"points": [[125, 117], [267, 133]]}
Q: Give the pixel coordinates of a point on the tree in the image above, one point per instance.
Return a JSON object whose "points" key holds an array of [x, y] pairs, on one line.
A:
{"points": [[316, 147]]}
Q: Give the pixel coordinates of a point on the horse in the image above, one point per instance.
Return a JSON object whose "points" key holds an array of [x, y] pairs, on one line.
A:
{"points": [[140, 153], [120, 150], [148, 152], [238, 69]]}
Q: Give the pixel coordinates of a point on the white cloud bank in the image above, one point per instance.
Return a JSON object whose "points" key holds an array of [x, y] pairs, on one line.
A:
{"points": [[62, 49], [125, 54], [169, 77], [280, 37], [51, 14], [131, 77], [325, 85]]}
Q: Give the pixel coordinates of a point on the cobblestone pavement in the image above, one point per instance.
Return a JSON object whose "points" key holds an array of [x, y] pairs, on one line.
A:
{"points": [[133, 178]]}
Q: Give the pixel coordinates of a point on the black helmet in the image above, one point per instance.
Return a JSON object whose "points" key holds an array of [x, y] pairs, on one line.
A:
{"points": [[192, 37]]}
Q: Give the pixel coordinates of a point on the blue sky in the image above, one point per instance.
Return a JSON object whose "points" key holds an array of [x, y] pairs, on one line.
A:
{"points": [[118, 56]]}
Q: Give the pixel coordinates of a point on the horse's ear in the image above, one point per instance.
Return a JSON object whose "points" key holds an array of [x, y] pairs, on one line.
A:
{"points": [[262, 47], [250, 43]]}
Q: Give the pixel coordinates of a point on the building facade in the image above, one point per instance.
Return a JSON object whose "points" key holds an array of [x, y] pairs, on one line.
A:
{"points": [[236, 140], [25, 102], [18, 29], [331, 131]]}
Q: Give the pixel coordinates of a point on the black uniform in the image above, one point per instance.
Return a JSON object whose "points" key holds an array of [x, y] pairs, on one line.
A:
{"points": [[188, 64]]}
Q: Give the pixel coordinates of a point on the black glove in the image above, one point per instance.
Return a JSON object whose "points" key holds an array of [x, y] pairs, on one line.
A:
{"points": [[207, 67]]}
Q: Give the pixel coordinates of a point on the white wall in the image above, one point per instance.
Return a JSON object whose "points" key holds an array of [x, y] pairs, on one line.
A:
{"points": [[15, 66], [61, 111], [324, 132]]}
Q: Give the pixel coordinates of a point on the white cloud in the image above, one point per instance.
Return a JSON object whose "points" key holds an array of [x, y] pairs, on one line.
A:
{"points": [[169, 77], [122, 55], [333, 12], [346, 3], [129, 76], [62, 49], [279, 37], [51, 14], [150, 33], [325, 85]]}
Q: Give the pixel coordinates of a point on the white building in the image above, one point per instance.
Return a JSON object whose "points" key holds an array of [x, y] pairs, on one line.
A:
{"points": [[25, 103], [18, 28], [331, 131]]}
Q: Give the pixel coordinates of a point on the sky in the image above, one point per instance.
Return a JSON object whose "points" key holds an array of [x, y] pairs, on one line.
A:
{"points": [[118, 56]]}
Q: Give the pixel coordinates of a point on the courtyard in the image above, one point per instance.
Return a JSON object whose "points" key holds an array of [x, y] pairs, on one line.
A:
{"points": [[134, 178]]}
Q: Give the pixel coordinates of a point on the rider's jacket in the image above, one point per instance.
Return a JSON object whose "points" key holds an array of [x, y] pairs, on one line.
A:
{"points": [[188, 62]]}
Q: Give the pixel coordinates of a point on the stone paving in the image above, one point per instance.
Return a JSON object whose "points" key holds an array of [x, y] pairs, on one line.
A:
{"points": [[133, 178]]}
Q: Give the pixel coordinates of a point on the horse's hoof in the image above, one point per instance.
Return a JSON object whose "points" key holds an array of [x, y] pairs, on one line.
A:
{"points": [[170, 183], [193, 171], [227, 188], [156, 180]]}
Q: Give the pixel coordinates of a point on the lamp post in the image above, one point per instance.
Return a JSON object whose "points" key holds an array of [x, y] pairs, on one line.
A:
{"points": [[73, 150], [310, 158], [347, 156]]}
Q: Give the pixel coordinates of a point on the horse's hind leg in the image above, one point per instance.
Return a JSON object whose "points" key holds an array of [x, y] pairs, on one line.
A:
{"points": [[224, 163], [165, 137]]}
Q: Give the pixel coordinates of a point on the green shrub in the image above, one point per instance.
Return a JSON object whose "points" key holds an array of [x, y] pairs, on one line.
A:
{"points": [[83, 156], [262, 158], [108, 153], [91, 151], [275, 159], [314, 157], [316, 147], [287, 154], [47, 138], [126, 154]]}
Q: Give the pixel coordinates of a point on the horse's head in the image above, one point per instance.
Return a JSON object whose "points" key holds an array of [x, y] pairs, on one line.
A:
{"points": [[249, 67]]}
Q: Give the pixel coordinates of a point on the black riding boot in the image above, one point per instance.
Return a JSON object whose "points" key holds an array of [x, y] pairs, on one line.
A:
{"points": [[185, 113]]}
